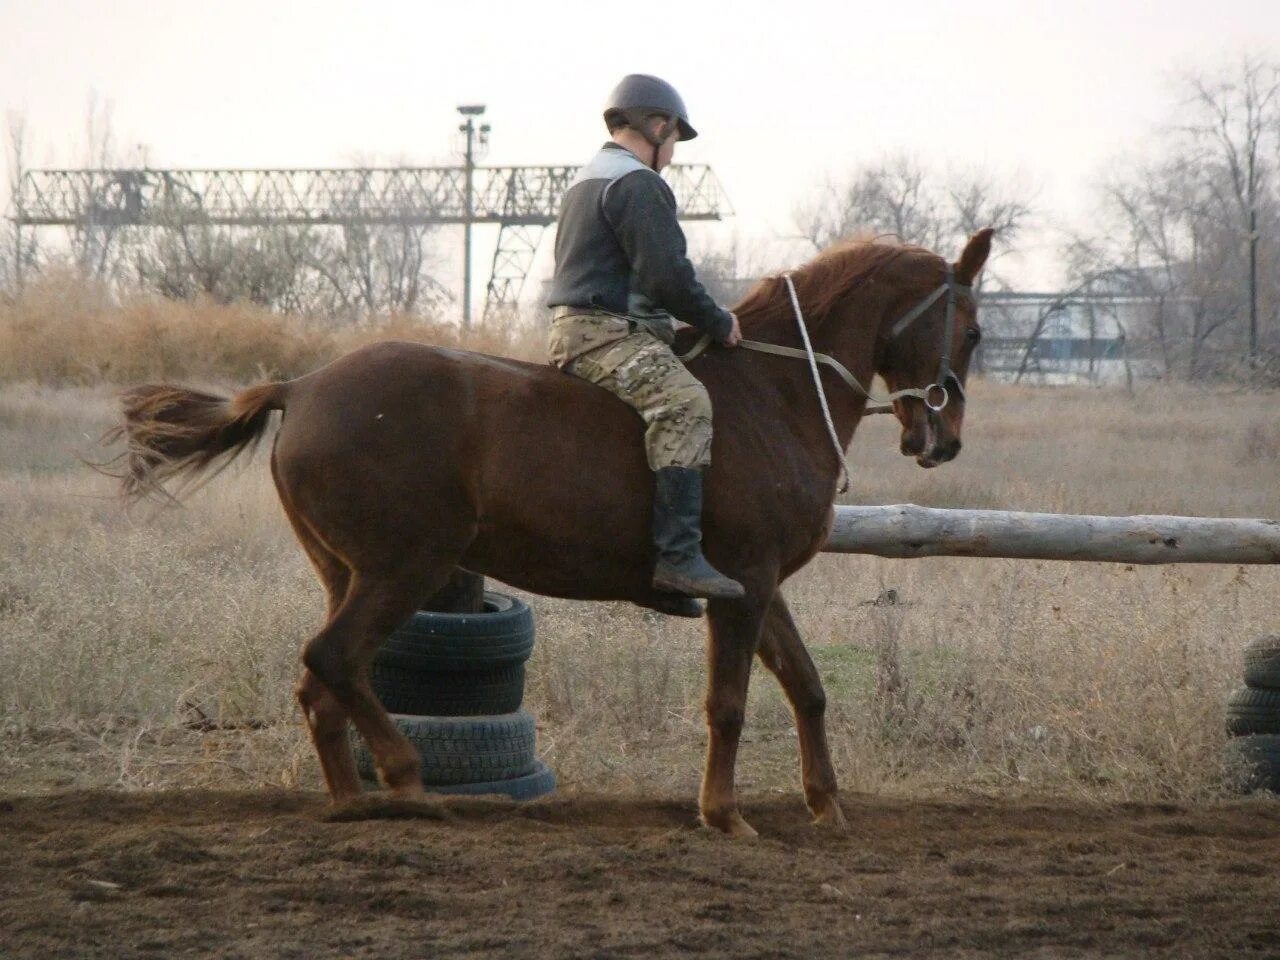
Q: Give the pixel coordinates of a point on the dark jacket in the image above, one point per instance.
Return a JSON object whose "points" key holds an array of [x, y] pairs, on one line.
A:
{"points": [[619, 247]]}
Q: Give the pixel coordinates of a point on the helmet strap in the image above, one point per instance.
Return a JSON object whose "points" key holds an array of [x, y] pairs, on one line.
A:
{"points": [[639, 120]]}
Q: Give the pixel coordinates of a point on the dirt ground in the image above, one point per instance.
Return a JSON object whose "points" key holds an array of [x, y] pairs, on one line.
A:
{"points": [[257, 875]]}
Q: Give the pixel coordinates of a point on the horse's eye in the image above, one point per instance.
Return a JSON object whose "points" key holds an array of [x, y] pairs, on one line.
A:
{"points": [[973, 335]]}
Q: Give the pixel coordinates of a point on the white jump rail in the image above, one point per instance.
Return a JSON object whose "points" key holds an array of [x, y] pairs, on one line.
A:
{"points": [[906, 531]]}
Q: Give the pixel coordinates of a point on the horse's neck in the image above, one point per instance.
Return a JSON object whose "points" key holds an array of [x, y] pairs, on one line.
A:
{"points": [[853, 347]]}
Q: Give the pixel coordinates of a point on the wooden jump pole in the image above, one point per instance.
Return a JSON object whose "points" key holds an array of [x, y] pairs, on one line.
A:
{"points": [[905, 531]]}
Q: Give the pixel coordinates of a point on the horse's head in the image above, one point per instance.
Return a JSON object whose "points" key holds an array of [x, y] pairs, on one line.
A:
{"points": [[926, 340]]}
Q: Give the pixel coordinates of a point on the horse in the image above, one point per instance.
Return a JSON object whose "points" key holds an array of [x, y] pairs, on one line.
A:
{"points": [[400, 463]]}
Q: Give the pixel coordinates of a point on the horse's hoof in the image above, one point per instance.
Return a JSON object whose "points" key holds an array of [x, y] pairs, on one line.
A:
{"points": [[344, 795], [731, 824], [409, 791], [829, 816]]}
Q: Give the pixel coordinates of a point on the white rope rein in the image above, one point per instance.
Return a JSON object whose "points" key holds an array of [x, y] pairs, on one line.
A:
{"points": [[817, 383]]}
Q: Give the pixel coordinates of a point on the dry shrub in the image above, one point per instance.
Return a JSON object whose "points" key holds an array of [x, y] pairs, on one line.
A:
{"points": [[510, 336], [65, 330]]}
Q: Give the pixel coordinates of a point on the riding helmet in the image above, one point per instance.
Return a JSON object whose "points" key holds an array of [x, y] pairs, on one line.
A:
{"points": [[639, 95]]}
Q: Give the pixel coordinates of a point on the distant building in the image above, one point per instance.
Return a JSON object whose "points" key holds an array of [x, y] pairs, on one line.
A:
{"points": [[1099, 334], [1045, 338], [1050, 338]]}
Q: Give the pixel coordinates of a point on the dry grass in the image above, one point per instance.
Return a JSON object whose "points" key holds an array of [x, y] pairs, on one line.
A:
{"points": [[1094, 680], [64, 331]]}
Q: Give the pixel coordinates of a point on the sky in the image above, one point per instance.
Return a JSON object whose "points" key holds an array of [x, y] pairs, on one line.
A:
{"points": [[1051, 94]]}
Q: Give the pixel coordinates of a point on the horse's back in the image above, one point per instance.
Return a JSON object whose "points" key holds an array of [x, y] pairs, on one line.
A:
{"points": [[390, 441], [404, 368]]}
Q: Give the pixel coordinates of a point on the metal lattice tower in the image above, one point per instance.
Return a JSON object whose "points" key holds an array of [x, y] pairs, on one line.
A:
{"points": [[520, 200], [512, 258]]}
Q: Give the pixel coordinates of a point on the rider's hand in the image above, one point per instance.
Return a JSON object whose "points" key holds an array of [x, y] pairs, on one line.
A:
{"points": [[735, 335]]}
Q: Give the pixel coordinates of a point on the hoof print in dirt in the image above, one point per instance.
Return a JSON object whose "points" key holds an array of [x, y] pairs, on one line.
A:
{"points": [[383, 806]]}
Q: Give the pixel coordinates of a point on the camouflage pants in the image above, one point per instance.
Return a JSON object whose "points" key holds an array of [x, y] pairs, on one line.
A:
{"points": [[641, 370]]}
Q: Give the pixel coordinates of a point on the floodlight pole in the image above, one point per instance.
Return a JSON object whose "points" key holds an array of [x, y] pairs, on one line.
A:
{"points": [[464, 593], [469, 159], [1253, 282]]}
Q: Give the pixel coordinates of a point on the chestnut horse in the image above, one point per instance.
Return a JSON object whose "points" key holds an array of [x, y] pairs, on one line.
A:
{"points": [[400, 462]]}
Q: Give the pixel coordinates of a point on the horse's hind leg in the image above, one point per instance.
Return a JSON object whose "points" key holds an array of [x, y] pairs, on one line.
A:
{"points": [[783, 652], [340, 654], [325, 717], [327, 723]]}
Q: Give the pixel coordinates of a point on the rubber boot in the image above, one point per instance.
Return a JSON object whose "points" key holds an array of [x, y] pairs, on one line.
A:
{"points": [[677, 533]]}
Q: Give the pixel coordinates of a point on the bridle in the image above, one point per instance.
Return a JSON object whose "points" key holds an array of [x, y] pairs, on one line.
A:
{"points": [[945, 375], [945, 382]]}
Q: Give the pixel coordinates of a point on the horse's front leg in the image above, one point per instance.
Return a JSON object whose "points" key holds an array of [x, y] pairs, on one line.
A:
{"points": [[734, 630], [784, 653]]}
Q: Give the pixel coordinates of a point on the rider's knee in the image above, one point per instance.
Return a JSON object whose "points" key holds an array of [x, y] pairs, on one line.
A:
{"points": [[700, 403], [691, 402]]}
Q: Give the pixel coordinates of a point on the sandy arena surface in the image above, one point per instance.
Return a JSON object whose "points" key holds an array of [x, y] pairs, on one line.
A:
{"points": [[261, 874]]}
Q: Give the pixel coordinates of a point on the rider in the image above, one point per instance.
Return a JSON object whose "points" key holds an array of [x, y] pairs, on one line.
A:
{"points": [[621, 273]]}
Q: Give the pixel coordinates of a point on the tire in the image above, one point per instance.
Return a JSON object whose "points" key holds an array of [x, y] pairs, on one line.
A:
{"points": [[532, 785], [1254, 762], [462, 642], [481, 693], [463, 749], [1262, 663], [1251, 710]]}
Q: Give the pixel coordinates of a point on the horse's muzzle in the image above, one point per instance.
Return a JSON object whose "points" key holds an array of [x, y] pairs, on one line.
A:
{"points": [[941, 452], [923, 440]]}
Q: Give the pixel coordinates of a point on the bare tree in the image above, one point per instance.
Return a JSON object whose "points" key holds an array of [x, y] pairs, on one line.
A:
{"points": [[896, 196], [93, 244], [1195, 233], [890, 197], [183, 260], [1237, 125], [1142, 245], [367, 270], [978, 199], [345, 275], [18, 252]]}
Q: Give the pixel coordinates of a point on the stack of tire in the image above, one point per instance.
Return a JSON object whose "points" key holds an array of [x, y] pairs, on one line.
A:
{"points": [[1253, 718], [453, 684]]}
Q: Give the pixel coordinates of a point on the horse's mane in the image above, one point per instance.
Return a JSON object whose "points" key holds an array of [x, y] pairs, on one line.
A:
{"points": [[821, 283]]}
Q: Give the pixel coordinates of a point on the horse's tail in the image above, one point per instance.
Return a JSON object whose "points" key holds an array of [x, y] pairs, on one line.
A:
{"points": [[172, 432]]}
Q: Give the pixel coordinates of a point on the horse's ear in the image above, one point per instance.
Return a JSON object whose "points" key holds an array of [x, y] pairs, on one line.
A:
{"points": [[975, 255]]}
